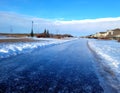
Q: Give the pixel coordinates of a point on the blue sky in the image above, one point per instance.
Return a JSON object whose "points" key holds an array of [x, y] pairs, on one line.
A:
{"points": [[67, 9], [62, 11]]}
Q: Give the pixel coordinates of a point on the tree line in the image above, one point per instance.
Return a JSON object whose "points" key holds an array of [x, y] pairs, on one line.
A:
{"points": [[44, 34]]}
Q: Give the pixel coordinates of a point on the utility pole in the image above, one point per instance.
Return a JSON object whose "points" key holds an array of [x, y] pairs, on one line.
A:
{"points": [[57, 31], [32, 25], [32, 34], [11, 29]]}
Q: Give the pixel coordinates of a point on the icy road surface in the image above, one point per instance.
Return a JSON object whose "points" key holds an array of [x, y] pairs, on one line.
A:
{"points": [[63, 68]]}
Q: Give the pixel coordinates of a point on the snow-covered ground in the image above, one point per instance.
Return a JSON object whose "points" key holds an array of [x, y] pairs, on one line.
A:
{"points": [[108, 57], [11, 49]]}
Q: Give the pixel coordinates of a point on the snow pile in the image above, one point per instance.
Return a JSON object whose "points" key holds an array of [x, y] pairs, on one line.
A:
{"points": [[108, 53], [9, 49]]}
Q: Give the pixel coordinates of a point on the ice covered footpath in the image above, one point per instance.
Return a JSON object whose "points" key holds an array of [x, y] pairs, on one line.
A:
{"points": [[107, 53], [12, 49]]}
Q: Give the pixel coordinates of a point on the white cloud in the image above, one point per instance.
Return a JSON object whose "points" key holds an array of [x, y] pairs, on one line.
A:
{"points": [[91, 20], [22, 23]]}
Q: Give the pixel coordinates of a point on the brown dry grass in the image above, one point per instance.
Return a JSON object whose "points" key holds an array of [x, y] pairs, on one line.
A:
{"points": [[17, 40]]}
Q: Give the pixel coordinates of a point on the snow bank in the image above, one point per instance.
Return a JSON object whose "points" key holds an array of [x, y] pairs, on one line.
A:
{"points": [[108, 53], [10, 49]]}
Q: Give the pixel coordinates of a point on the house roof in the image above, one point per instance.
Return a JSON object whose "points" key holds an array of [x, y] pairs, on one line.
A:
{"points": [[116, 29]]}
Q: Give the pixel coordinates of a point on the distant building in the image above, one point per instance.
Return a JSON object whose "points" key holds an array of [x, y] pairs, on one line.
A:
{"points": [[110, 34], [113, 34], [99, 35]]}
